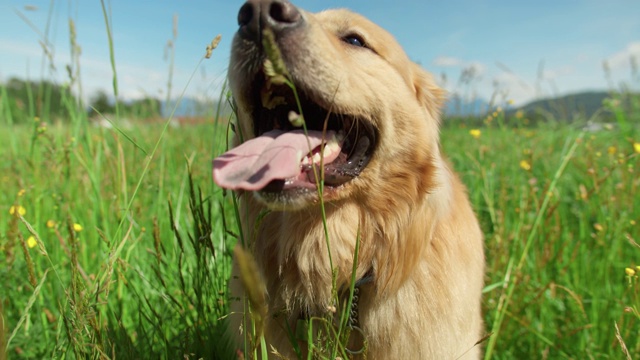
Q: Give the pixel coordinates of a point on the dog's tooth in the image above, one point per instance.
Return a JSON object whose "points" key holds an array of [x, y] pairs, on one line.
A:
{"points": [[331, 145], [334, 143]]}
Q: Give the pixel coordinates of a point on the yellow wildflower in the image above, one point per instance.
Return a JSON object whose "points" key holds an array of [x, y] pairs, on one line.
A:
{"points": [[510, 101], [31, 242], [21, 192], [475, 133], [598, 227], [51, 224], [13, 210], [525, 165], [519, 114], [611, 150], [77, 227], [629, 271], [636, 147]]}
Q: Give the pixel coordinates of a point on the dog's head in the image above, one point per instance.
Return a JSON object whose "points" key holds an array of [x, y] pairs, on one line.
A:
{"points": [[370, 113]]}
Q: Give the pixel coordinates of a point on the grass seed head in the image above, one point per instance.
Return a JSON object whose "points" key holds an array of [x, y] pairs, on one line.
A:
{"points": [[274, 66], [272, 74], [30, 266], [254, 286], [296, 119], [212, 46]]}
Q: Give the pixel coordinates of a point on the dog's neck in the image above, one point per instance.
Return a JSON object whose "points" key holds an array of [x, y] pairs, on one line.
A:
{"points": [[293, 253]]}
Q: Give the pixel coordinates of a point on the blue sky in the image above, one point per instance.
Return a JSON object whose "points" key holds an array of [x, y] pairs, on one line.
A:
{"points": [[519, 50]]}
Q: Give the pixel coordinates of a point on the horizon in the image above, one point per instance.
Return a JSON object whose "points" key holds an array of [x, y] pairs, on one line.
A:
{"points": [[517, 52]]}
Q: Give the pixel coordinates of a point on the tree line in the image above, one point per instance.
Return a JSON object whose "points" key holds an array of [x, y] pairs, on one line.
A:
{"points": [[22, 101]]}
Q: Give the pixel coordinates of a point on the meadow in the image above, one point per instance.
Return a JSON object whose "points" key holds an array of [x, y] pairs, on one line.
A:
{"points": [[116, 244]]}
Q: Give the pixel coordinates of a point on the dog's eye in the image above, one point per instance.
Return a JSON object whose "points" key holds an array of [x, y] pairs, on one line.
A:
{"points": [[355, 40]]}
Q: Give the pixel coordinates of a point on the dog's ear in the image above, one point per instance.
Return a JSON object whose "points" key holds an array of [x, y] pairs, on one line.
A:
{"points": [[430, 95]]}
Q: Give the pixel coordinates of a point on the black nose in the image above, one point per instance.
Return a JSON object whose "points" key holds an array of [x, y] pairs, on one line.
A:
{"points": [[256, 15]]}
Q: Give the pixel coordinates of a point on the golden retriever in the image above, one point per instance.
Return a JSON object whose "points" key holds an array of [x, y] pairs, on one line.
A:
{"points": [[372, 143]]}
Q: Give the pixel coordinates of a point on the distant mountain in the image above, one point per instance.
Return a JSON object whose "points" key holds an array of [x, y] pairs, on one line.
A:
{"points": [[579, 106]]}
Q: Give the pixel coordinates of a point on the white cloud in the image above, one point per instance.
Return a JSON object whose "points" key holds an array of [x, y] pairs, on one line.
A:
{"points": [[476, 68], [552, 74], [447, 61], [19, 49], [512, 87], [622, 59], [475, 79]]}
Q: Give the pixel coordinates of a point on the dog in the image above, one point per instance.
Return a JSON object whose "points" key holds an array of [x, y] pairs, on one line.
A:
{"points": [[370, 164]]}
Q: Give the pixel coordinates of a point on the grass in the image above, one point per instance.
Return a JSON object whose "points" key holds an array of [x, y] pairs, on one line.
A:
{"points": [[557, 235], [170, 259], [556, 277], [116, 243]]}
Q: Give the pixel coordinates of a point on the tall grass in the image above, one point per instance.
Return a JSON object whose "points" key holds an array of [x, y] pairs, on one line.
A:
{"points": [[557, 207], [107, 210], [164, 292], [116, 244]]}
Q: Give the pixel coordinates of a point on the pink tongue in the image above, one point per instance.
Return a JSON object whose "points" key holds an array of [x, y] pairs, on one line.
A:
{"points": [[274, 155]]}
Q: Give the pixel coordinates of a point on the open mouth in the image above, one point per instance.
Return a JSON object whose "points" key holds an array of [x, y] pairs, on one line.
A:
{"points": [[335, 148]]}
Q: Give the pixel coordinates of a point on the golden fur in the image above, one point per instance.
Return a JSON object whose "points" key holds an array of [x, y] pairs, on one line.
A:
{"points": [[417, 229]]}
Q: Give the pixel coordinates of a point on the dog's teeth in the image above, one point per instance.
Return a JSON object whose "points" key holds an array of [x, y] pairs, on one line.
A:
{"points": [[332, 145]]}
